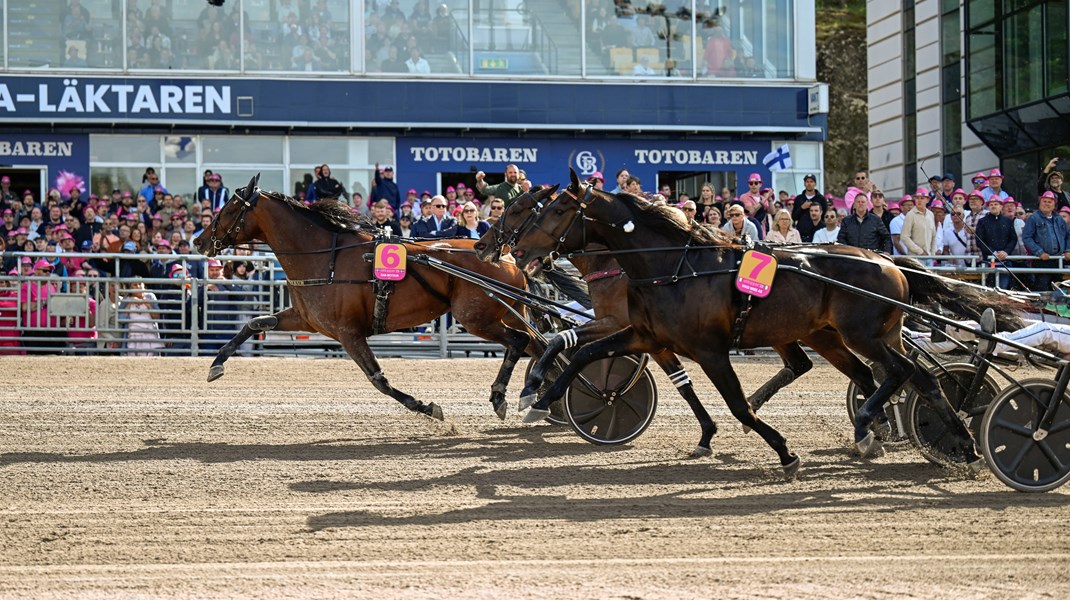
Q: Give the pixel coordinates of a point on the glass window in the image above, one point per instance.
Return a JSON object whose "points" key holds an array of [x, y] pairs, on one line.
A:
{"points": [[984, 80], [127, 179], [124, 148], [1058, 63], [185, 181], [245, 150], [156, 38], [952, 127], [432, 40], [950, 38], [1023, 55], [981, 11]]}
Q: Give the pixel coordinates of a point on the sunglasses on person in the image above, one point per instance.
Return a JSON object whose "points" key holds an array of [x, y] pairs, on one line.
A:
{"points": [[497, 208], [956, 214], [858, 177], [754, 183], [469, 210], [1020, 213], [438, 206], [685, 209], [735, 214], [827, 217]]}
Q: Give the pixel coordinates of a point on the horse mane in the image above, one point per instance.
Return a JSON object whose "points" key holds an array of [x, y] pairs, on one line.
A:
{"points": [[666, 220], [330, 212]]}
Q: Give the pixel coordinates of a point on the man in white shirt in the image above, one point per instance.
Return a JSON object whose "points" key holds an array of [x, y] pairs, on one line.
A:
{"points": [[956, 239], [896, 226], [831, 231], [919, 229]]}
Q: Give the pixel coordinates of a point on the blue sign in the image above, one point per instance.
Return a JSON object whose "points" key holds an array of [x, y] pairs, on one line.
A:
{"points": [[65, 156], [548, 161]]}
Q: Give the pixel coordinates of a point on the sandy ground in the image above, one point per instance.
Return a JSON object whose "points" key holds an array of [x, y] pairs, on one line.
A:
{"points": [[124, 477]]}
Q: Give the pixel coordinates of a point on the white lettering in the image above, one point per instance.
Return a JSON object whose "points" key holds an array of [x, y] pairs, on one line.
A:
{"points": [[737, 157], [170, 98], [5, 98], [42, 99], [70, 100], [474, 154], [122, 91], [144, 100], [94, 98], [417, 154], [65, 148], [722, 157], [751, 156], [194, 99], [217, 99], [641, 155]]}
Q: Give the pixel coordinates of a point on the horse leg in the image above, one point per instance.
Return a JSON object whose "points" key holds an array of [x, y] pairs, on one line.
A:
{"points": [[358, 349], [898, 370], [796, 363], [719, 369], [928, 388], [622, 342], [287, 319], [564, 340], [830, 346], [515, 343], [669, 363]]}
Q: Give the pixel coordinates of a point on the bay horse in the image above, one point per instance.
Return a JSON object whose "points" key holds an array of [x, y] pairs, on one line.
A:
{"points": [[681, 296], [611, 314], [322, 249]]}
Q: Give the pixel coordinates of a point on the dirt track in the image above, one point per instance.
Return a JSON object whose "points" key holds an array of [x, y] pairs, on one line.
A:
{"points": [[287, 478]]}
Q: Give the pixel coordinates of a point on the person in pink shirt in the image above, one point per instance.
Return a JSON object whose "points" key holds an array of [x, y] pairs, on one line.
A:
{"points": [[9, 317], [34, 297], [82, 331]]}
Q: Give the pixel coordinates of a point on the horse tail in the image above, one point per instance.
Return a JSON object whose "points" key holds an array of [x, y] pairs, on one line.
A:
{"points": [[963, 299]]}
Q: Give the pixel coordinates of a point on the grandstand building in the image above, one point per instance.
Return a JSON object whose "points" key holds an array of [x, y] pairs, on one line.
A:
{"points": [[98, 90], [962, 86]]}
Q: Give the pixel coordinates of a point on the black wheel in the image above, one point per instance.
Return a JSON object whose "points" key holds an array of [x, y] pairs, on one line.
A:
{"points": [[928, 432], [557, 409], [895, 409], [613, 402], [1008, 438]]}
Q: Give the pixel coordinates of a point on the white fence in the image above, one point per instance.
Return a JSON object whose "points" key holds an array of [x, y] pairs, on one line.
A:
{"points": [[180, 316]]}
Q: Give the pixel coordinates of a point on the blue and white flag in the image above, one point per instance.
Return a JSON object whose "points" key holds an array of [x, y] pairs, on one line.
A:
{"points": [[778, 159]]}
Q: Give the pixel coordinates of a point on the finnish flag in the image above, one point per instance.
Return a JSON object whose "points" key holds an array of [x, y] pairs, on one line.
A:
{"points": [[778, 159]]}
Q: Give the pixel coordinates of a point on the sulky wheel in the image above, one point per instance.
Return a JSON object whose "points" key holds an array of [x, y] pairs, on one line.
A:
{"points": [[612, 401], [928, 433], [1009, 432], [557, 409], [895, 409]]}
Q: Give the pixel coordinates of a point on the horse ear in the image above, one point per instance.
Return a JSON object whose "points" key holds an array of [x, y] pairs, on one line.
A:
{"points": [[574, 178], [546, 192]]}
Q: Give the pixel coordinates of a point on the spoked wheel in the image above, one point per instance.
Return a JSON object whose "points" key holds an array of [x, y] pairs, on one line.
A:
{"points": [[1009, 432], [613, 402], [557, 409], [927, 430], [895, 409]]}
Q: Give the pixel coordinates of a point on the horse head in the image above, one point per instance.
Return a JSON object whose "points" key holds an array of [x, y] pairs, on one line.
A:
{"points": [[521, 212], [229, 227], [552, 228]]}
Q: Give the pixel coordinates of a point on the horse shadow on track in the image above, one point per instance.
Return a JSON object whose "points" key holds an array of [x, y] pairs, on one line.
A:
{"points": [[698, 490], [496, 445]]}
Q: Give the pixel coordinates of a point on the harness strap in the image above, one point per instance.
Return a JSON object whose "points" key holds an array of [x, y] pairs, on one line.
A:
{"points": [[383, 290], [741, 321], [315, 282], [602, 275], [334, 255]]}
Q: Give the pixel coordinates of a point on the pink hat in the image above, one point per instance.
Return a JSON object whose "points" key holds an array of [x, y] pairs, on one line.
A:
{"points": [[450, 189], [907, 198], [158, 189], [921, 192], [127, 195], [937, 205], [26, 260], [42, 264], [1010, 200], [176, 268], [754, 177], [980, 176], [65, 236], [461, 186], [60, 227], [995, 173], [958, 192], [893, 205], [977, 194], [8, 211], [426, 193], [215, 262], [26, 193], [1065, 209], [596, 175], [1049, 194], [163, 243], [5, 179], [994, 198], [412, 191], [406, 203], [21, 231]]}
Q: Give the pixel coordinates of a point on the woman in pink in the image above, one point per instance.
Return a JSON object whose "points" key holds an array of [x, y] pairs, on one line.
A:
{"points": [[718, 52], [9, 317], [82, 331], [34, 297]]}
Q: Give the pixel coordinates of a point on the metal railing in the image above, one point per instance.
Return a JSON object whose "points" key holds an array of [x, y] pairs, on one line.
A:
{"points": [[178, 316]]}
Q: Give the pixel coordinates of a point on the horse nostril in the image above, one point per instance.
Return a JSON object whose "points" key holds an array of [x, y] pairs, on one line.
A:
{"points": [[480, 246], [519, 253]]}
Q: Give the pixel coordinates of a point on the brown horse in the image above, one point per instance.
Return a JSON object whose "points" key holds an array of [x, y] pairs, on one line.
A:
{"points": [[322, 248], [681, 297], [607, 285]]}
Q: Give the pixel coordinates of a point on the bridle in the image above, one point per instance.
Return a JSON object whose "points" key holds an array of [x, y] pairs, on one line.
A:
{"points": [[503, 237], [236, 225]]}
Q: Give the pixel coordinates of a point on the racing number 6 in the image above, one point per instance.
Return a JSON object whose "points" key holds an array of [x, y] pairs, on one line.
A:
{"points": [[390, 257]]}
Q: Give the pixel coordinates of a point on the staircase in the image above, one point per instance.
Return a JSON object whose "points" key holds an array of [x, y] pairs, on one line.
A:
{"points": [[566, 35]]}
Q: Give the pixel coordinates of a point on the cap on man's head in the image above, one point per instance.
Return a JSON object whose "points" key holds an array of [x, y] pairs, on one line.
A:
{"points": [[461, 186], [754, 178], [958, 192], [183, 243], [158, 189], [26, 260], [131, 216], [1050, 195], [42, 264], [995, 173], [215, 177], [129, 246], [893, 206], [87, 244], [426, 194], [977, 194], [388, 168], [907, 198], [995, 198], [936, 178], [937, 205], [5, 179], [411, 192], [921, 192], [949, 176], [596, 175], [164, 243], [127, 195], [1055, 174], [8, 211], [26, 193], [450, 189], [810, 176], [176, 269], [215, 262]]}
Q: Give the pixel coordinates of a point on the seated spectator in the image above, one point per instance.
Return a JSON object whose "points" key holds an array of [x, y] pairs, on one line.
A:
{"points": [[417, 63], [74, 59]]}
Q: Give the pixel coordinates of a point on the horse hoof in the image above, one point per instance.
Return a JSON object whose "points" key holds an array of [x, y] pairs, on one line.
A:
{"points": [[435, 412], [215, 373], [701, 452], [501, 408], [535, 415], [746, 430], [869, 446], [792, 468], [526, 401]]}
